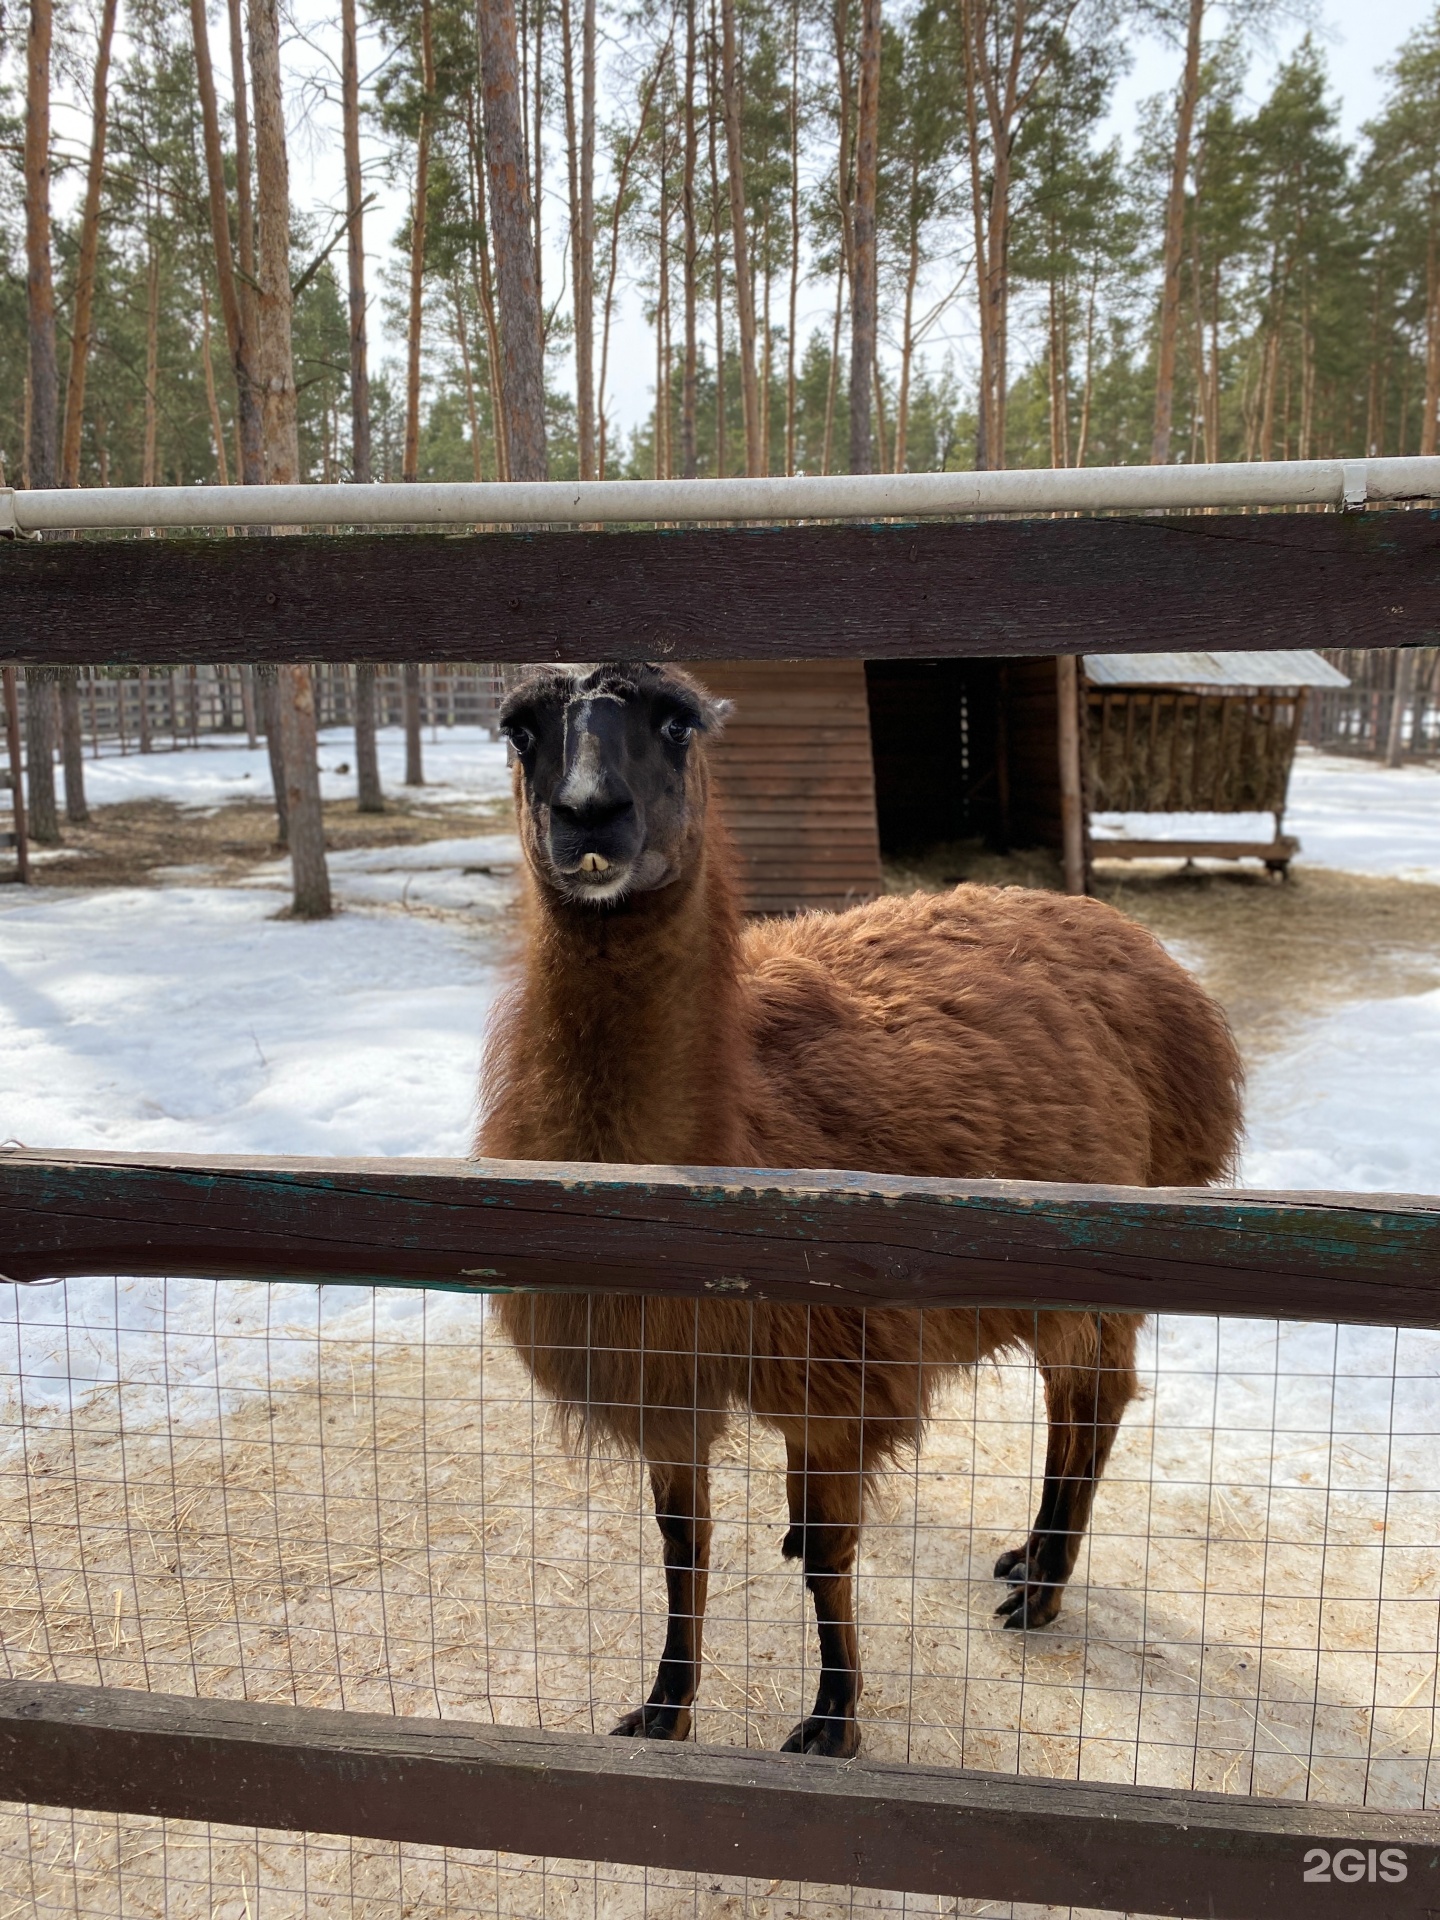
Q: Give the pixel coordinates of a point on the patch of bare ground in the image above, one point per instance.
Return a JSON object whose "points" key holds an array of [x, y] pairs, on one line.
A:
{"points": [[141, 843], [1274, 953]]}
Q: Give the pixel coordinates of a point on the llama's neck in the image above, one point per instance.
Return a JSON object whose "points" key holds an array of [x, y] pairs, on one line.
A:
{"points": [[624, 1042]]}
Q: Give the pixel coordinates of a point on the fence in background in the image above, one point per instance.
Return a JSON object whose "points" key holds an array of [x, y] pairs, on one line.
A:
{"points": [[1359, 718], [145, 709]]}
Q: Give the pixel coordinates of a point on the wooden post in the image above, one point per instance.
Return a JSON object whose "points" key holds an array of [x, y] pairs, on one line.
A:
{"points": [[17, 785], [1072, 800]]}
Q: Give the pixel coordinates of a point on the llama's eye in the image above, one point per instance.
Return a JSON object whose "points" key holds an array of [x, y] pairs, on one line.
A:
{"points": [[521, 739], [677, 732]]}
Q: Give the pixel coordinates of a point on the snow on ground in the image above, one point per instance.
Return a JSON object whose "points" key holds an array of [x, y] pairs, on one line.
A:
{"points": [[1353, 1104], [193, 1020], [462, 765], [475, 876], [1349, 814], [190, 1019]]}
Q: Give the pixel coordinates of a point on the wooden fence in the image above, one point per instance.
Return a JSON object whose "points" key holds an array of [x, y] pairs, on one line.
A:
{"points": [[1062, 586], [140, 709], [1359, 718]]}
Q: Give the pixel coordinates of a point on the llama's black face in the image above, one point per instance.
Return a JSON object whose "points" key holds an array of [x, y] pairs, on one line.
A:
{"points": [[611, 778]]}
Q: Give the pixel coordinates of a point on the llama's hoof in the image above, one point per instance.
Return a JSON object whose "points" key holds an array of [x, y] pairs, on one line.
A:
{"points": [[1006, 1565], [827, 1733], [652, 1722], [1030, 1604]]}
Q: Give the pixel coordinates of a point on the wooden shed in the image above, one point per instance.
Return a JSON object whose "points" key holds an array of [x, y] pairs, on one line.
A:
{"points": [[826, 765]]}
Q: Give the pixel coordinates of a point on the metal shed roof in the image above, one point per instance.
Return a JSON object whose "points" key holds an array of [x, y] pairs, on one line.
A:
{"points": [[1298, 669]]}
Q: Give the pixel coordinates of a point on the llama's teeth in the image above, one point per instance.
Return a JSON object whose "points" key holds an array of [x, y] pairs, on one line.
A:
{"points": [[595, 863]]}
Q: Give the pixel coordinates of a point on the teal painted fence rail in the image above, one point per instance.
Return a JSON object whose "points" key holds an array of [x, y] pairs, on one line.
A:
{"points": [[823, 1236]]}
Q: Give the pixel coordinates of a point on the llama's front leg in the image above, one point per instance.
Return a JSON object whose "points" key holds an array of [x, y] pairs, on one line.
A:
{"points": [[682, 1509], [824, 1533], [1086, 1394]]}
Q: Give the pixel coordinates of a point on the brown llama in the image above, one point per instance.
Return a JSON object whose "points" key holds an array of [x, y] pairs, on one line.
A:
{"points": [[968, 1035]]}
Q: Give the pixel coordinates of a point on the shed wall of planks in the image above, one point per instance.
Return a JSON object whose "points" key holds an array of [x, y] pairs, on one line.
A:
{"points": [[794, 771]]}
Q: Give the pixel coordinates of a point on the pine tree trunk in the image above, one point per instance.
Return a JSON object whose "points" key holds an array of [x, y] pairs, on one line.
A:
{"points": [[42, 435], [717, 229], [833, 382], [40, 732], [790, 348], [1175, 241], [907, 337], [250, 424], [863, 292], [1432, 334], [739, 241], [472, 411], [355, 252], [212, 401], [414, 762], [295, 699], [247, 705], [274, 357], [662, 311], [17, 786], [294, 693], [370, 798], [537, 185], [234, 307], [410, 469], [72, 744], [580, 165], [267, 682], [689, 449], [142, 718], [89, 254], [985, 399], [511, 223], [1400, 699], [152, 364], [483, 283]]}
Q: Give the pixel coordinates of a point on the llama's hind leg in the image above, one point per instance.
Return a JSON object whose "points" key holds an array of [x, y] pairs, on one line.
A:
{"points": [[682, 1511], [1089, 1372], [825, 1506]]}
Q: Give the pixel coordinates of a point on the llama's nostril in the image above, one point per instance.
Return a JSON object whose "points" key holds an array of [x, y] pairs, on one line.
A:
{"points": [[593, 815]]}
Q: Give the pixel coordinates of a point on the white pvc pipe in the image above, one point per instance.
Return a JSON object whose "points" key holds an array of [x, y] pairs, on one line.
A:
{"points": [[903, 496]]}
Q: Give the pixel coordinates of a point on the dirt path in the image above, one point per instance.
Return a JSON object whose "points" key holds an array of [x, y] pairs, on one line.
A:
{"points": [[142, 843]]}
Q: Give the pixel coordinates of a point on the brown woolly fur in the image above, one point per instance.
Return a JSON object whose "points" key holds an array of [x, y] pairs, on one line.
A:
{"points": [[974, 1034]]}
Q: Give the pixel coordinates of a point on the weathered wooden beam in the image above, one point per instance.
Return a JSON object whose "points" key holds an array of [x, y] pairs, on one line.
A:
{"points": [[758, 1235], [713, 1810], [979, 587]]}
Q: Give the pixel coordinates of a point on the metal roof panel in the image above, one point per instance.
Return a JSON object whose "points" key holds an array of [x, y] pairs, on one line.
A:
{"points": [[1274, 669]]}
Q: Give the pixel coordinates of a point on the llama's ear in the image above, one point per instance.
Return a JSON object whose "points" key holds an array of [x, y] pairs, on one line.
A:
{"points": [[717, 712]]}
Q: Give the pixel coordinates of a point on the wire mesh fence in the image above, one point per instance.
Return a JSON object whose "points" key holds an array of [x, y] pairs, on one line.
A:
{"points": [[358, 1499]]}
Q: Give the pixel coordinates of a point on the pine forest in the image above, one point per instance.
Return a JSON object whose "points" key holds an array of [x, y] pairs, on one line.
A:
{"points": [[998, 280]]}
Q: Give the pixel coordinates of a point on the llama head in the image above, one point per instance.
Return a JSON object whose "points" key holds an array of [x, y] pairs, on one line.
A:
{"points": [[610, 777]]}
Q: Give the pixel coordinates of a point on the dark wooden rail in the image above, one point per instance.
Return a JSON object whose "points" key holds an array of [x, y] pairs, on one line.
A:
{"points": [[1097, 585], [759, 1235], [713, 1810]]}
